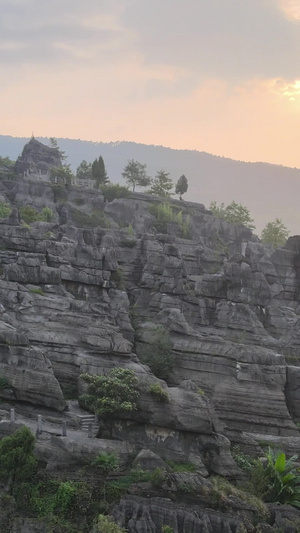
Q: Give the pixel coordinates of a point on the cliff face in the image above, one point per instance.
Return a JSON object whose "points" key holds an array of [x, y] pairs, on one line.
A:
{"points": [[78, 299]]}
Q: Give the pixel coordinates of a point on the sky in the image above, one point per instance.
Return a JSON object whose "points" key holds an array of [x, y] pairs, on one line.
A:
{"points": [[221, 76]]}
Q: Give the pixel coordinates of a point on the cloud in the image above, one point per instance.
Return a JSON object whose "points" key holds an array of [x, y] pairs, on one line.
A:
{"points": [[291, 9]]}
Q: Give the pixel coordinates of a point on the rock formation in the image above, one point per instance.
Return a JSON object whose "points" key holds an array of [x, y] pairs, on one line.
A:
{"points": [[77, 298]]}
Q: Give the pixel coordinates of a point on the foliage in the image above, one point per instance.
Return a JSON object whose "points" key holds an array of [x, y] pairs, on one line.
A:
{"points": [[158, 393], [182, 467], [222, 491], [70, 392], [54, 144], [64, 496], [30, 214], [99, 173], [158, 354], [165, 213], [96, 219], [278, 480], [84, 171], [17, 461], [5, 210], [162, 185], [111, 191], [117, 276], [64, 174], [135, 174], [109, 395], [167, 529], [4, 383], [116, 489], [181, 186], [46, 214], [38, 290], [130, 230], [59, 192], [275, 233], [105, 524], [234, 213], [106, 462], [245, 462]]}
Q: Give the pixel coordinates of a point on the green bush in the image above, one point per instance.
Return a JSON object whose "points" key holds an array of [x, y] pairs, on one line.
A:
{"points": [[182, 467], [46, 214], [277, 480], [29, 214], [96, 219], [105, 524], [158, 393], [167, 529], [17, 461], [158, 353], [114, 190], [165, 213], [117, 276], [38, 291], [4, 383], [5, 210]]}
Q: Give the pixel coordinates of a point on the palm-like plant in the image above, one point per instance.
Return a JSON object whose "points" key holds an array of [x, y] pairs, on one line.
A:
{"points": [[280, 479]]}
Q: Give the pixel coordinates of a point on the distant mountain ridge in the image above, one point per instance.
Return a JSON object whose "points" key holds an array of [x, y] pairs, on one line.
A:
{"points": [[268, 190]]}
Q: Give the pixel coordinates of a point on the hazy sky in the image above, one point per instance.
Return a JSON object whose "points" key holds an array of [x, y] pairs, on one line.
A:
{"points": [[221, 76]]}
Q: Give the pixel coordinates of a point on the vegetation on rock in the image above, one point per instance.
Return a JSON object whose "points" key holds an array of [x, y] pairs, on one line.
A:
{"points": [[110, 395], [181, 186], [158, 354], [275, 233], [234, 213], [162, 185], [135, 174]]}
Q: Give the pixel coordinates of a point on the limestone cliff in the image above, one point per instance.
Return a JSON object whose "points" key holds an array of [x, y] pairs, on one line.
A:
{"points": [[77, 298]]}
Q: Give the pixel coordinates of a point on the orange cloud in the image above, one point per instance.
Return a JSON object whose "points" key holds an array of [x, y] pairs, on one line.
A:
{"points": [[291, 8]]}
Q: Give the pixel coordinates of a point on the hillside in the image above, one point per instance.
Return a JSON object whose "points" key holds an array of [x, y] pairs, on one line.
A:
{"points": [[102, 284], [269, 191]]}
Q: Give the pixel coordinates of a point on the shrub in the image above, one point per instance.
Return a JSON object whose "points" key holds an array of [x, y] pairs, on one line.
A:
{"points": [[158, 354], [165, 213], [117, 276], [38, 291], [96, 219], [29, 214], [4, 383], [112, 394], [278, 480], [46, 214], [105, 524], [114, 190], [17, 461], [182, 467], [167, 529], [5, 210], [158, 393]]}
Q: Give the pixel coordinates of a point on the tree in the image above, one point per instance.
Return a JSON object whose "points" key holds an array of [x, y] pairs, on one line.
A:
{"points": [[110, 395], [54, 145], [233, 213], [181, 186], [135, 174], [17, 461], [162, 184], [64, 174], [99, 173], [158, 354], [84, 171], [275, 233]]}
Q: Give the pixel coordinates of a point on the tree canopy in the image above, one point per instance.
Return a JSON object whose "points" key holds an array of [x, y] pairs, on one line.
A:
{"points": [[275, 233], [158, 355], [181, 186], [109, 395], [162, 185], [17, 461], [135, 174], [84, 170], [234, 213], [99, 173]]}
